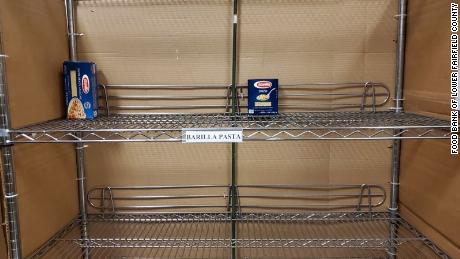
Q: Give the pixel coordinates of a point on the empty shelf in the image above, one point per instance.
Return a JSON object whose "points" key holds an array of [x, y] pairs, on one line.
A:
{"points": [[259, 235], [287, 126]]}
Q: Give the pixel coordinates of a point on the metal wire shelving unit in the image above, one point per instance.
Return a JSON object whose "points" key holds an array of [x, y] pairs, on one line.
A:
{"points": [[127, 225], [286, 126], [261, 235], [231, 223]]}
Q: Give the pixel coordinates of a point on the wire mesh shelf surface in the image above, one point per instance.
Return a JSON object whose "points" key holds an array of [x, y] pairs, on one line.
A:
{"points": [[260, 235], [286, 126]]}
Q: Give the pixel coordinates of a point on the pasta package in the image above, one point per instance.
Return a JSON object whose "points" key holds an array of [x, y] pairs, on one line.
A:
{"points": [[80, 88], [263, 96]]}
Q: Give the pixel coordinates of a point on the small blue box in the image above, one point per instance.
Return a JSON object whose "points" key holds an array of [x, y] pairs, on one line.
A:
{"points": [[80, 87], [263, 96]]}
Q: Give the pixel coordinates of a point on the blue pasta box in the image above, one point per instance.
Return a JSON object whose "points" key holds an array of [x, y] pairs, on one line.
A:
{"points": [[80, 88], [263, 96]]}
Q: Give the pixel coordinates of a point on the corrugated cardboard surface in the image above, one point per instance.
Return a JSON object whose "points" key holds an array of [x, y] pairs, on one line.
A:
{"points": [[430, 177], [3, 248], [138, 164], [429, 191], [317, 41], [427, 86], [157, 42], [190, 42], [34, 36]]}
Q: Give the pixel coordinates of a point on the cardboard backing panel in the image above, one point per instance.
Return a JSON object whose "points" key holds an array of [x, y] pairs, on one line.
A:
{"points": [[35, 41], [427, 85], [3, 248], [157, 42], [429, 190], [47, 191], [174, 42], [317, 41], [138, 164], [430, 177], [34, 37], [312, 163]]}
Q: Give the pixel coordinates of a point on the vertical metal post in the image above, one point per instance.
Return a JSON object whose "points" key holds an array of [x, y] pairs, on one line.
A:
{"points": [[399, 108], [8, 177], [400, 55], [234, 111], [393, 210], [235, 57], [70, 15], [81, 180], [80, 153]]}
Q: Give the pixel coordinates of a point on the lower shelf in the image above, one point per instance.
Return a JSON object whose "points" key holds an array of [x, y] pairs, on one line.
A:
{"points": [[259, 235]]}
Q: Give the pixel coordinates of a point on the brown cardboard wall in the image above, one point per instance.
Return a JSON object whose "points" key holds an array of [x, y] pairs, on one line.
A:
{"points": [[3, 249], [358, 46], [175, 42], [430, 177], [34, 37], [3, 244]]}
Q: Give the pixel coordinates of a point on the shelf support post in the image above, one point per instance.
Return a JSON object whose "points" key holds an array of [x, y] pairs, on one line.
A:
{"points": [[81, 181], [234, 198], [8, 175], [72, 36], [396, 149], [79, 149]]}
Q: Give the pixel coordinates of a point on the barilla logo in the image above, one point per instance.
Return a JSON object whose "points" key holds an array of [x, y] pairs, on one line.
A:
{"points": [[263, 84]]}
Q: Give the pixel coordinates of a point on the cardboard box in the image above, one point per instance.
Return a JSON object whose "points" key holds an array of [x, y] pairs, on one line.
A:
{"points": [[263, 96], [80, 88]]}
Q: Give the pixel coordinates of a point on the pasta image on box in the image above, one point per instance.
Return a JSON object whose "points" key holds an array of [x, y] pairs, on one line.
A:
{"points": [[263, 96], [80, 88]]}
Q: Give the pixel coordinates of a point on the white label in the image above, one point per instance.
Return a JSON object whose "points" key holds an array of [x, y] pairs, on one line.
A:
{"points": [[232, 135]]}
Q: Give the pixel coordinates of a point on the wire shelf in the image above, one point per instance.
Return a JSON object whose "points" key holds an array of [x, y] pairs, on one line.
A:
{"points": [[250, 198], [260, 235], [286, 126], [123, 98]]}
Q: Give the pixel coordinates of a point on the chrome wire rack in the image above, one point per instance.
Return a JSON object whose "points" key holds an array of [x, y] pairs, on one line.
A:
{"points": [[231, 233], [330, 96], [286, 126], [147, 199], [260, 235]]}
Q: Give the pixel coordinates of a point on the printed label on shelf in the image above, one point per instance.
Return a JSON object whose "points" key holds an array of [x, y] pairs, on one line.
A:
{"points": [[232, 135]]}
